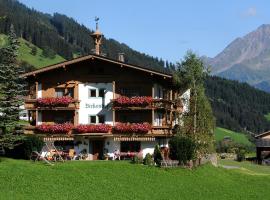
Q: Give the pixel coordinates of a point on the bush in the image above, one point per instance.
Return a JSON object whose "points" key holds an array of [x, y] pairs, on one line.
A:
{"points": [[240, 154], [137, 159], [182, 149], [148, 160], [24, 150], [157, 155]]}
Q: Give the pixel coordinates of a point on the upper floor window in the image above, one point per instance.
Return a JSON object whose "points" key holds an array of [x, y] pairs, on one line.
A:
{"points": [[92, 93], [130, 92], [92, 119], [101, 92], [59, 92], [70, 92], [95, 119]]}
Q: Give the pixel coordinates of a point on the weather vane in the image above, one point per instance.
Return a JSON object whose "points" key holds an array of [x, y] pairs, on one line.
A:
{"points": [[96, 19]]}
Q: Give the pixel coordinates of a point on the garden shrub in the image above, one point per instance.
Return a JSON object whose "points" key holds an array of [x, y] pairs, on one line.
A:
{"points": [[182, 149], [24, 150], [148, 160], [240, 154], [157, 155], [137, 159]]}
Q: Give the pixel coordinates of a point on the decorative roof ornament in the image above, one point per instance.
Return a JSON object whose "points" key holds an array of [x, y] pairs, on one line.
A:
{"points": [[97, 37]]}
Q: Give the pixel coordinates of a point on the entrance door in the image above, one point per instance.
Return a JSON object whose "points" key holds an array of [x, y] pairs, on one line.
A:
{"points": [[98, 149]]}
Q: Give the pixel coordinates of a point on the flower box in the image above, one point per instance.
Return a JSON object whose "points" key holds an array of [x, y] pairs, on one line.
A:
{"points": [[133, 101], [93, 128], [54, 101], [55, 128], [132, 128]]}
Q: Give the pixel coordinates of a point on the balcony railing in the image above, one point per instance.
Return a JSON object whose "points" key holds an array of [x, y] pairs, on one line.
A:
{"points": [[140, 103], [91, 129], [263, 143], [51, 103]]}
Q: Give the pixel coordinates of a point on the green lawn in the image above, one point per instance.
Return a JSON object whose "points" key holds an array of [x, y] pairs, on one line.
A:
{"points": [[37, 60], [247, 167], [267, 116], [122, 180], [241, 138]]}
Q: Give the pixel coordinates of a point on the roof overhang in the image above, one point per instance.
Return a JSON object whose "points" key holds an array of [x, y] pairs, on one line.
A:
{"points": [[93, 56]]}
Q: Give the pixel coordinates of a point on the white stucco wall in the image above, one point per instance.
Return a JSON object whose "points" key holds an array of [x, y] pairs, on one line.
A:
{"points": [[93, 105], [39, 93], [85, 145], [111, 145], [148, 147]]}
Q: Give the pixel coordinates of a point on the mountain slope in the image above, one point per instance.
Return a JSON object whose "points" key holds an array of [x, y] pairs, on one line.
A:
{"points": [[246, 59], [238, 106], [64, 35], [37, 60]]}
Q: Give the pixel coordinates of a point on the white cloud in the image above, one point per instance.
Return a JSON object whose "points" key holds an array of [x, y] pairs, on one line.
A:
{"points": [[250, 12]]}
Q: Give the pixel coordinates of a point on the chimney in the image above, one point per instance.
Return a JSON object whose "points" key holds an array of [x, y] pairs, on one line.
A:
{"points": [[97, 37], [121, 57]]}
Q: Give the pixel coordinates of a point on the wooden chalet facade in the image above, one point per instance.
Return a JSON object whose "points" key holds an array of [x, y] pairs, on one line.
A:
{"points": [[262, 146], [103, 105]]}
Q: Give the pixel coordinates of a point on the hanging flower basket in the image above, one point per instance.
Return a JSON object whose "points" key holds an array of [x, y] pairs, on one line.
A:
{"points": [[93, 128], [132, 128], [55, 128], [54, 101]]}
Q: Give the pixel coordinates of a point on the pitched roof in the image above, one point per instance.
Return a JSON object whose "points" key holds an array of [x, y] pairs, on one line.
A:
{"points": [[91, 56], [262, 134]]}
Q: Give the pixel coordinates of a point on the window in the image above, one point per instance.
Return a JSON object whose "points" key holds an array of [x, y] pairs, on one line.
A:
{"points": [[130, 146], [59, 92], [130, 92], [101, 119], [92, 93], [92, 119], [70, 92], [101, 92]]}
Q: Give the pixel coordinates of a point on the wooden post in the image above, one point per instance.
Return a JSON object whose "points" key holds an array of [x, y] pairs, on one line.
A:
{"points": [[113, 117], [114, 96], [171, 95], [153, 111], [36, 117], [76, 90], [36, 89], [113, 87]]}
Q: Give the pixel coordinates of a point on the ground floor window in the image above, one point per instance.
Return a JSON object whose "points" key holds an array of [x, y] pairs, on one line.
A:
{"points": [[134, 146], [64, 145]]}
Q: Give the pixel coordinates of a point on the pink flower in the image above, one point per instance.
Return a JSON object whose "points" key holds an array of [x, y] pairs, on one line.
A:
{"points": [[93, 128], [55, 128], [54, 101], [134, 101], [132, 128]]}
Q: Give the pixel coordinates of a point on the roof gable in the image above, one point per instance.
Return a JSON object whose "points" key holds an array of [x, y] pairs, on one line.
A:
{"points": [[92, 56]]}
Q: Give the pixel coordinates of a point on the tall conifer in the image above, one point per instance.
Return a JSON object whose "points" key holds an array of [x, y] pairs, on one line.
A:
{"points": [[11, 90]]}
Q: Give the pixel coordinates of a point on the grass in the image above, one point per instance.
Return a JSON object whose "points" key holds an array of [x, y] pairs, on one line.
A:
{"points": [[267, 116], [37, 60], [122, 180], [247, 167], [237, 137]]}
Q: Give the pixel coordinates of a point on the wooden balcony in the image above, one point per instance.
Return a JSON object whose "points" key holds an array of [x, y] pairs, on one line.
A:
{"points": [[263, 143], [155, 131], [31, 104], [155, 104]]}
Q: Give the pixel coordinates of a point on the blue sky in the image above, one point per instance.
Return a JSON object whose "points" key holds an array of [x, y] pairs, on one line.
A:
{"points": [[166, 29]]}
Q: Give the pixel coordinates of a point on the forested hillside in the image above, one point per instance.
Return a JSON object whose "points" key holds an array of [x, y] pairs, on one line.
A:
{"points": [[238, 106], [63, 35], [47, 39]]}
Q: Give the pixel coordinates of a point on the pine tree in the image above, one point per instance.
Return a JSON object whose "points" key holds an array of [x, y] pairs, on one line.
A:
{"points": [[198, 123], [11, 91]]}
